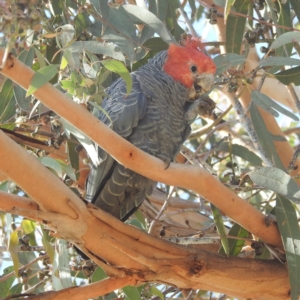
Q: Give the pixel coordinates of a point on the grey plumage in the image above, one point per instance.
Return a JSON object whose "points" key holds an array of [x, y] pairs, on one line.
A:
{"points": [[153, 118]]}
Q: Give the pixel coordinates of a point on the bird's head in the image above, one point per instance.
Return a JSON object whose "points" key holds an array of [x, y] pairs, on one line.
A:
{"points": [[190, 66]]}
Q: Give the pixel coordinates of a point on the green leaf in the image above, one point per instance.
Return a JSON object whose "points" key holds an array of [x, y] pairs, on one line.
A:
{"points": [[235, 27], [83, 139], [28, 226], [47, 245], [73, 154], [41, 77], [241, 152], [119, 68], [27, 57], [156, 292], [131, 293], [289, 76], [279, 61], [52, 164], [289, 229], [228, 5], [67, 169], [40, 57], [81, 22], [278, 181], [142, 16], [13, 250], [8, 101], [22, 100], [288, 37], [296, 7], [16, 289], [235, 245], [156, 45], [99, 274], [107, 49], [225, 62], [271, 106], [61, 273], [264, 136], [6, 284], [220, 227], [102, 7]]}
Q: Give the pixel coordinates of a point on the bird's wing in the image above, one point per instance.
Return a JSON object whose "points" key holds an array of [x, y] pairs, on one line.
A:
{"points": [[123, 113]]}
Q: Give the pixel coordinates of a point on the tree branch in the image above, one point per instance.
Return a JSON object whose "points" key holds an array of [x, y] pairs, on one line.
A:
{"points": [[189, 177]]}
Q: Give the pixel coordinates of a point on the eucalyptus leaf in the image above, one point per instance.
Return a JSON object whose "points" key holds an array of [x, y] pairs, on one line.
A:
{"points": [[131, 292], [220, 227], [61, 273], [289, 229], [52, 164], [235, 27], [271, 106], [225, 62], [279, 61], [288, 37], [289, 76], [241, 152], [41, 77], [8, 101], [5, 285], [265, 137], [119, 68], [13, 244], [27, 57], [84, 141], [142, 16], [278, 181], [22, 100], [107, 49], [235, 245]]}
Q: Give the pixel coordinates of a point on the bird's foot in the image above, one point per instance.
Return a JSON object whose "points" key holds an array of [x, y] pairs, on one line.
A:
{"points": [[166, 160]]}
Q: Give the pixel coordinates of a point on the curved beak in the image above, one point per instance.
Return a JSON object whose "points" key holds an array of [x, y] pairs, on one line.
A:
{"points": [[203, 84]]}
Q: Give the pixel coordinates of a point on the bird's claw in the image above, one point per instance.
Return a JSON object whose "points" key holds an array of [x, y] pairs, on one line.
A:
{"points": [[166, 160]]}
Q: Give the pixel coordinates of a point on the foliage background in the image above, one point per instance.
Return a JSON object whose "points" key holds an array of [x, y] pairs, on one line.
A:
{"points": [[81, 47]]}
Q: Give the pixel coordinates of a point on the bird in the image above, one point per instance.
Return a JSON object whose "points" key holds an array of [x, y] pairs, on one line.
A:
{"points": [[153, 117]]}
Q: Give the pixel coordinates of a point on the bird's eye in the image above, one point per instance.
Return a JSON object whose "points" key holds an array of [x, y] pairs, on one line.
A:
{"points": [[194, 69]]}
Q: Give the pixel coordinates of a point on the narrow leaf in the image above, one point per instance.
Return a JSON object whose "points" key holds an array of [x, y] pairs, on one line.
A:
{"points": [[107, 49], [41, 77], [289, 76], [28, 226], [278, 181], [131, 292], [22, 100], [288, 37], [289, 229], [235, 26], [119, 68], [13, 250], [228, 5], [5, 285], [235, 245], [296, 7], [220, 227], [271, 106], [8, 101], [143, 16], [47, 245], [225, 62], [241, 152], [27, 56], [279, 61], [264, 136], [52, 164]]}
